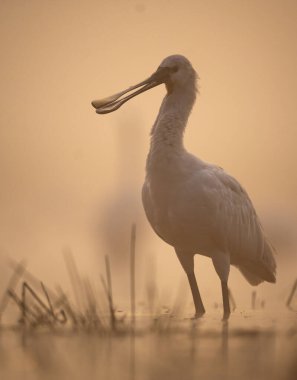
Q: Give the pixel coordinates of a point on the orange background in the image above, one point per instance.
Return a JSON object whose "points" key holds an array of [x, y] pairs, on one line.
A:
{"points": [[63, 167]]}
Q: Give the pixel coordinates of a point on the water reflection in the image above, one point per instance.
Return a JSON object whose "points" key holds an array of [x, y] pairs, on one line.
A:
{"points": [[132, 354], [204, 349], [225, 337]]}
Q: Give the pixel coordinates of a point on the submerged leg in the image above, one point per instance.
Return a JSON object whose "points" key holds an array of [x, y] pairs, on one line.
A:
{"points": [[187, 261], [221, 262]]}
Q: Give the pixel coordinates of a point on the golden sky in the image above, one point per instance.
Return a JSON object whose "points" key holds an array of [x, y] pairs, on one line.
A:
{"points": [[59, 160]]}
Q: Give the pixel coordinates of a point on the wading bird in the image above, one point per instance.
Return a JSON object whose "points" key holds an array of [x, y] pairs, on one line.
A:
{"points": [[192, 205]]}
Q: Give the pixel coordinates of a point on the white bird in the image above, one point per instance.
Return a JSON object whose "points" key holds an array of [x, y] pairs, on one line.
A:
{"points": [[194, 206]]}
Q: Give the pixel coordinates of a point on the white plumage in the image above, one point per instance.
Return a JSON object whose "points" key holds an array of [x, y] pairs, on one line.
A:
{"points": [[192, 205]]}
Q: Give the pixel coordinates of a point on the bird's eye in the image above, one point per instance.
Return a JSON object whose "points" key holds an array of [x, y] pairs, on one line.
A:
{"points": [[174, 69]]}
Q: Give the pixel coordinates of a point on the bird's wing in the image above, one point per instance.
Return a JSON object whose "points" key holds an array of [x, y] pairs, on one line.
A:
{"points": [[236, 223], [236, 226]]}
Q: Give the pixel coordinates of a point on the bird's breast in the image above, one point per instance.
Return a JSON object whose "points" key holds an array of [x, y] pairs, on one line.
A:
{"points": [[169, 207]]}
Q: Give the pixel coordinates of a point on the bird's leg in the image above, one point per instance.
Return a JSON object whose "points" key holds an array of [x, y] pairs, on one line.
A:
{"points": [[221, 262], [226, 303], [199, 308], [187, 261]]}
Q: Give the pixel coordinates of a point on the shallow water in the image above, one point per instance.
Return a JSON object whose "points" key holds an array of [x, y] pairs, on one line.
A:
{"points": [[252, 345]]}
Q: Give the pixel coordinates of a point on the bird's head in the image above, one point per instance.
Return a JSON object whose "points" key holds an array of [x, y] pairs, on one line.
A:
{"points": [[180, 73], [175, 71]]}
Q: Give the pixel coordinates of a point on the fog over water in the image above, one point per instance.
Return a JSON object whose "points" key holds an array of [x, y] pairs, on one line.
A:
{"points": [[71, 178]]}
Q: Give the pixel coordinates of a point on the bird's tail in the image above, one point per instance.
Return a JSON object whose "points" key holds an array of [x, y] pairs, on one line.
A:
{"points": [[261, 270]]}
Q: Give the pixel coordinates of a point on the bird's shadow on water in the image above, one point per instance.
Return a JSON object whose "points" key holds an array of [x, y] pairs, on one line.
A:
{"points": [[225, 340], [132, 354], [196, 333], [238, 349]]}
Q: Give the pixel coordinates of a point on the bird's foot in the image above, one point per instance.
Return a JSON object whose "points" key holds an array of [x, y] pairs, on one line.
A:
{"points": [[199, 314]]}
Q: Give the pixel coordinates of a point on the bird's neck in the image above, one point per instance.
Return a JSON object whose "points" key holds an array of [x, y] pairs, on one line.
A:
{"points": [[168, 129]]}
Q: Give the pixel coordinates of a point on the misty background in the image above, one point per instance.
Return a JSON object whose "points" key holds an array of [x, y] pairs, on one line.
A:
{"points": [[72, 179]]}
